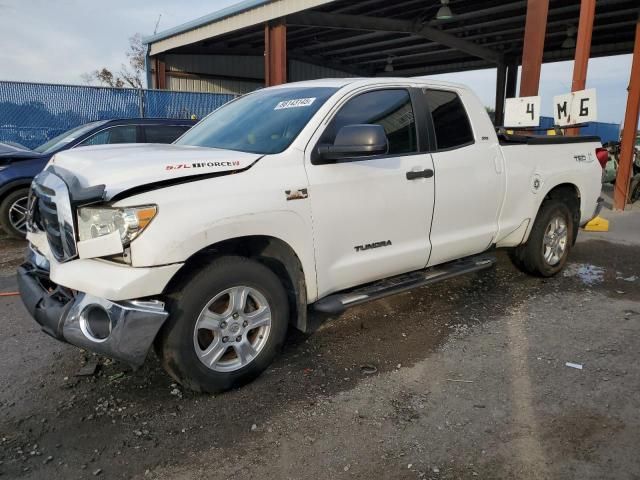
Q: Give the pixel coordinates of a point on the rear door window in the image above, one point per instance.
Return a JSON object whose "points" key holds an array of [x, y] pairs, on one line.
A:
{"points": [[450, 120], [120, 134], [163, 133]]}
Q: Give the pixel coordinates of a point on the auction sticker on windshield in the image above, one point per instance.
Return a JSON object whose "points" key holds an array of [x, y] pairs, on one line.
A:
{"points": [[297, 103]]}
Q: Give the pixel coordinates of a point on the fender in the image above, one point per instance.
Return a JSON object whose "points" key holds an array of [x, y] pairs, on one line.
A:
{"points": [[284, 225], [13, 185], [548, 187]]}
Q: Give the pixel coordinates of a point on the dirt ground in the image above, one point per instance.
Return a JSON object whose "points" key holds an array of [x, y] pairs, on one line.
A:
{"points": [[466, 379]]}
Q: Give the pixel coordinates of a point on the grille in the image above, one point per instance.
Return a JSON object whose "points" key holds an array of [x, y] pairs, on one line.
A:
{"points": [[50, 212], [49, 221]]}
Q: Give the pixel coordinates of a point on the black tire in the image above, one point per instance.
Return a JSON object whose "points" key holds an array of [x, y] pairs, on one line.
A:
{"points": [[530, 257], [5, 206], [175, 342]]}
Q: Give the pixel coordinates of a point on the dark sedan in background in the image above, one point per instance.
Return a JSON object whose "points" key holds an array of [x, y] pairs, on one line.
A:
{"points": [[18, 165]]}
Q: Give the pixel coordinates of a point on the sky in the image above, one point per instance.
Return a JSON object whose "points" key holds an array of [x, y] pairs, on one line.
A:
{"points": [[58, 41]]}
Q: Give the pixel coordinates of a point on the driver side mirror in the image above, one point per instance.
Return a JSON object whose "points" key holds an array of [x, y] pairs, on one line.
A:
{"points": [[356, 141]]}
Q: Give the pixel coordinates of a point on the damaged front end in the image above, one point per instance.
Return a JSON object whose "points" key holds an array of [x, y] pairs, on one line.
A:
{"points": [[123, 330]]}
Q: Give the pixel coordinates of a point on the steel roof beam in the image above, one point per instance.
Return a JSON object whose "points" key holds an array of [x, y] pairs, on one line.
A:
{"points": [[359, 5], [363, 37], [388, 46], [357, 22], [516, 41], [555, 56], [436, 69], [256, 35], [521, 18], [492, 11], [370, 50]]}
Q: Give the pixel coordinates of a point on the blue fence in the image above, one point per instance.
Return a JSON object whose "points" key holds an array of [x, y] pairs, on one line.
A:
{"points": [[32, 113]]}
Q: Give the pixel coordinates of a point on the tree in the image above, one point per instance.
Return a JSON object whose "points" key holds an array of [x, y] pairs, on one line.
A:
{"points": [[130, 75]]}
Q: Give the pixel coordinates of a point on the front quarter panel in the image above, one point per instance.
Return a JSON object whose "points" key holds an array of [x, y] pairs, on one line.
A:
{"points": [[196, 215], [20, 173]]}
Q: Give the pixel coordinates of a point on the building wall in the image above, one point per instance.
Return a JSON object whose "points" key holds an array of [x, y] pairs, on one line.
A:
{"points": [[211, 85], [299, 71], [246, 67], [232, 74]]}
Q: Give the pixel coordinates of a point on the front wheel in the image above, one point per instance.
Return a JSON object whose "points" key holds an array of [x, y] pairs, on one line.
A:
{"points": [[225, 326], [547, 249]]}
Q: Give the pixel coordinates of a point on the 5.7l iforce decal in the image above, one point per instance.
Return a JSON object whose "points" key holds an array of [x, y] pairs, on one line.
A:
{"points": [[369, 246], [185, 166]]}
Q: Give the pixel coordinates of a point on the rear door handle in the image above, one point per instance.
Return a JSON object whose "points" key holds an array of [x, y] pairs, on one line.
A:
{"points": [[428, 173]]}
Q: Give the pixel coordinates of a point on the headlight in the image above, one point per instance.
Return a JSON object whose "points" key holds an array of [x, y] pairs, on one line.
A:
{"points": [[94, 222]]}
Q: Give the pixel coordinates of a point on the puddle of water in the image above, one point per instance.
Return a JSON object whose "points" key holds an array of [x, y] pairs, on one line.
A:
{"points": [[587, 273]]}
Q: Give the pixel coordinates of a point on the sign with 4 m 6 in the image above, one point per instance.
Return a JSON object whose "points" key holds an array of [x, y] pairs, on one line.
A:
{"points": [[522, 112], [575, 108]]}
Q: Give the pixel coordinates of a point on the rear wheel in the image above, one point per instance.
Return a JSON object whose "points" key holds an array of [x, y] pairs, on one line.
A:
{"points": [[13, 213], [226, 325], [546, 252]]}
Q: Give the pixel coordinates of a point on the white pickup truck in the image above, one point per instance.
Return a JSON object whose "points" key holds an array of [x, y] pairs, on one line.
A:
{"points": [[322, 194]]}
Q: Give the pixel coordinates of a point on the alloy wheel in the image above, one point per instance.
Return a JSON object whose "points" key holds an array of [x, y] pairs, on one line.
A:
{"points": [[555, 241], [18, 214], [232, 329]]}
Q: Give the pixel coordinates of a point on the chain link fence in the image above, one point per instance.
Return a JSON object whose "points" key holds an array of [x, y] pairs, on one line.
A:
{"points": [[33, 113]]}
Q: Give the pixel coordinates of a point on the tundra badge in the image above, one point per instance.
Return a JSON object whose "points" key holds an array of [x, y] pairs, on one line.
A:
{"points": [[369, 246]]}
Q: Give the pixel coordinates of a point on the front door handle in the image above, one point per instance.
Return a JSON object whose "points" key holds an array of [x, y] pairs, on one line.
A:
{"points": [[427, 173]]}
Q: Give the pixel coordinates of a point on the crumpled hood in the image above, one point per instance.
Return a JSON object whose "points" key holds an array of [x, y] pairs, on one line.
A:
{"points": [[9, 153], [126, 166]]}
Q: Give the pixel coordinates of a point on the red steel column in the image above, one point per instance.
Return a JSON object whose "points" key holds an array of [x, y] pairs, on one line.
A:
{"points": [[583, 50], [629, 129], [275, 53], [534, 32]]}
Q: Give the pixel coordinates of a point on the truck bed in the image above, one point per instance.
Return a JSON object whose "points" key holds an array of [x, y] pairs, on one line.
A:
{"points": [[506, 139]]}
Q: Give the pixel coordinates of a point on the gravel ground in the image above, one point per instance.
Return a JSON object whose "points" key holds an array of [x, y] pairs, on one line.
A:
{"points": [[466, 379]]}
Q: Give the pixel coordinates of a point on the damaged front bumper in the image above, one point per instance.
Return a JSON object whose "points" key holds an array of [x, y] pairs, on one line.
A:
{"points": [[122, 330]]}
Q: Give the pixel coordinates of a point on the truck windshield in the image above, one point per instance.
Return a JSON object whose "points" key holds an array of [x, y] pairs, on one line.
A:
{"points": [[267, 121]]}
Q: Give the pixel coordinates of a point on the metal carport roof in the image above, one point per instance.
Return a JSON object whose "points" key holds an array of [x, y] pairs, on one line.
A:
{"points": [[364, 37]]}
